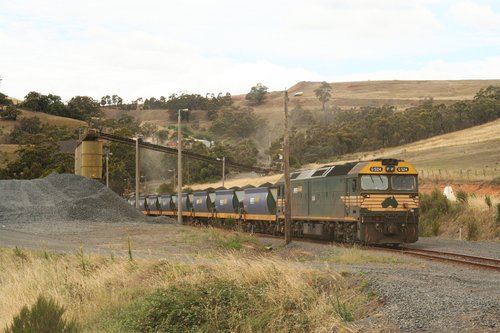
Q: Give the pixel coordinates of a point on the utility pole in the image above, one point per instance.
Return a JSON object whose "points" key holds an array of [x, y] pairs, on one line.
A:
{"points": [[223, 159], [107, 168], [179, 167], [286, 167], [137, 171], [223, 169], [286, 163]]}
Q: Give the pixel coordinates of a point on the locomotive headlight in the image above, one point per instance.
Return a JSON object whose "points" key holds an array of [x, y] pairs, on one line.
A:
{"points": [[389, 168]]}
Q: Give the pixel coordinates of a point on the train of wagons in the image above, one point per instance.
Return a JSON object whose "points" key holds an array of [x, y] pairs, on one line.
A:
{"points": [[368, 202]]}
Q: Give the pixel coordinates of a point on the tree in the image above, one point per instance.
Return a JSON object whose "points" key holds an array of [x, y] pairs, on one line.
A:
{"points": [[245, 152], [36, 102], [7, 109], [10, 112], [4, 100], [257, 94], [84, 108], [235, 122], [161, 136], [323, 93], [149, 130], [40, 160]]}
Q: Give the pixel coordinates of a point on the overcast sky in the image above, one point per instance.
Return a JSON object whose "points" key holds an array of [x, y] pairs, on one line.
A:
{"points": [[159, 47]]}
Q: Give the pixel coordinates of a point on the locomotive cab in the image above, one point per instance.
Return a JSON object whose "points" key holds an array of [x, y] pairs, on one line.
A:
{"points": [[385, 201]]}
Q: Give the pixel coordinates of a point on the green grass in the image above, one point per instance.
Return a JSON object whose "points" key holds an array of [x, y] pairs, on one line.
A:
{"points": [[357, 255]]}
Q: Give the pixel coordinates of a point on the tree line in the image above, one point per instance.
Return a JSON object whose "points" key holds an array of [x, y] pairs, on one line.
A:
{"points": [[78, 107]]}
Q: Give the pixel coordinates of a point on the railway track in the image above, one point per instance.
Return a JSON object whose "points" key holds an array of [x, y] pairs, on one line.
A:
{"points": [[457, 258]]}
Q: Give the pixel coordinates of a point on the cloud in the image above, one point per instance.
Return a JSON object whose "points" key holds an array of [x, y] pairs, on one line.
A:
{"points": [[476, 15], [439, 69], [154, 48]]}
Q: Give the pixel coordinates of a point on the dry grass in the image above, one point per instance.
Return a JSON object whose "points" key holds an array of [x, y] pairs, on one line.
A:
{"points": [[357, 255], [6, 126], [346, 95], [54, 120], [469, 154], [97, 291], [474, 221], [61, 277], [7, 154]]}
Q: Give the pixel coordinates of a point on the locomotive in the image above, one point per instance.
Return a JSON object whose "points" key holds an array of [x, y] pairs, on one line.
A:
{"points": [[368, 202]]}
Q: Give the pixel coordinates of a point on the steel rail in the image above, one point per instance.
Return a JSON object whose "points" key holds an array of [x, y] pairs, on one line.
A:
{"points": [[464, 259]]}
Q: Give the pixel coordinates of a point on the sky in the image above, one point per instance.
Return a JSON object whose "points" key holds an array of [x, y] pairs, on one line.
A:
{"points": [[153, 48]]}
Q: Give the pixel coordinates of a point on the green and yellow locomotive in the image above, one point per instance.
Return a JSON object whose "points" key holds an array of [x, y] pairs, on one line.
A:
{"points": [[370, 202]]}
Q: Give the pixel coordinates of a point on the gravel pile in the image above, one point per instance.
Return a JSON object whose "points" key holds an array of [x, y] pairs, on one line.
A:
{"points": [[62, 197]]}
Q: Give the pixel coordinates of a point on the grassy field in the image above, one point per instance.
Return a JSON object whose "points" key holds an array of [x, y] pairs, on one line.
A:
{"points": [[470, 154], [236, 286]]}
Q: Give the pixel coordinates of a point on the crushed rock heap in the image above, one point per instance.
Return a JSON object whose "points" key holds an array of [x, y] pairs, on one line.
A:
{"points": [[62, 197]]}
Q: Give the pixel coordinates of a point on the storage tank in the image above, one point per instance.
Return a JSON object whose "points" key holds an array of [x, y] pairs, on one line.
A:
{"points": [[88, 159]]}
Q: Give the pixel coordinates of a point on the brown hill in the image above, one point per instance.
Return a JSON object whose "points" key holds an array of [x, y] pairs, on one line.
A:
{"points": [[346, 95], [7, 151], [469, 158]]}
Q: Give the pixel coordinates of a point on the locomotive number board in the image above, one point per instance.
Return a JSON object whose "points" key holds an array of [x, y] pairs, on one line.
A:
{"points": [[376, 167]]}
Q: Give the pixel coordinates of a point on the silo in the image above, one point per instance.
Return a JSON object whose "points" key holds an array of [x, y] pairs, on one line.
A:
{"points": [[88, 159]]}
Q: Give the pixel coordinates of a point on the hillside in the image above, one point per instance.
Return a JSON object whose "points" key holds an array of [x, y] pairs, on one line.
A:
{"points": [[467, 155], [7, 151], [346, 95]]}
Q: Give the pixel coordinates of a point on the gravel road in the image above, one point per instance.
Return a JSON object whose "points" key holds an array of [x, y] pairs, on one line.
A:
{"points": [[434, 298]]}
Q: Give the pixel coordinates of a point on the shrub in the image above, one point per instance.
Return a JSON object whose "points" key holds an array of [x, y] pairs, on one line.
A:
{"points": [[462, 196], [217, 306], [344, 312], [487, 201], [45, 315], [432, 208], [498, 213], [18, 252], [495, 181], [472, 230]]}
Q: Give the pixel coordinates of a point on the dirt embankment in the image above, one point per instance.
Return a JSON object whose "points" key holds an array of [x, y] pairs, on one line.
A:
{"points": [[477, 187]]}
